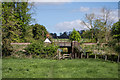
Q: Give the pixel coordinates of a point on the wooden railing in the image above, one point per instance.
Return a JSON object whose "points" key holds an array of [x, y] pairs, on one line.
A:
{"points": [[67, 56]]}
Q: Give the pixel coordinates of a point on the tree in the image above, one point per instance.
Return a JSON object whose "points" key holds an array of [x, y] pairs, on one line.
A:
{"points": [[99, 30], [90, 20], [75, 36], [15, 18], [29, 35], [39, 32], [116, 30], [86, 34], [23, 17], [64, 35], [105, 20]]}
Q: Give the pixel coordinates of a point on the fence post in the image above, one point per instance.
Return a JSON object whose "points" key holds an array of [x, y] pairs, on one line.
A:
{"points": [[95, 55], [118, 57], [81, 55], [75, 55], [87, 55], [105, 57]]}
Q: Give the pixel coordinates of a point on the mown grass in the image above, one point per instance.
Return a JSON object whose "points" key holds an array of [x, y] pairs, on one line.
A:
{"points": [[46, 68]]}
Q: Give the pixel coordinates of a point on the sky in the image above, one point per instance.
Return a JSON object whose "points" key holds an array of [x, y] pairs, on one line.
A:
{"points": [[58, 17]]}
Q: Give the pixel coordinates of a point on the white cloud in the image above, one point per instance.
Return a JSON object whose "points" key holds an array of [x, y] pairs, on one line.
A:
{"points": [[84, 9], [69, 25]]}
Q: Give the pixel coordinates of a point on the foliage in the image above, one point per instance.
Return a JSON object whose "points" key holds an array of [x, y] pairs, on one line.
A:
{"points": [[117, 48], [29, 34], [86, 40], [99, 30], [76, 50], [75, 36], [35, 48], [51, 50], [47, 68], [87, 34], [100, 24], [15, 18], [7, 49], [116, 30], [112, 43], [41, 49], [39, 32]]}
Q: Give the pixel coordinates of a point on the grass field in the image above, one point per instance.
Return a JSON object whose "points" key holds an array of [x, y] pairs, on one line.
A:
{"points": [[46, 68]]}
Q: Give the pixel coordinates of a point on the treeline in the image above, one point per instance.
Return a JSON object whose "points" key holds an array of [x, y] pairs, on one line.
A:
{"points": [[65, 35]]}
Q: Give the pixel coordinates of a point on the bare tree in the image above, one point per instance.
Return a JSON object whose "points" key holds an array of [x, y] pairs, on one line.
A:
{"points": [[104, 17], [107, 22], [90, 20]]}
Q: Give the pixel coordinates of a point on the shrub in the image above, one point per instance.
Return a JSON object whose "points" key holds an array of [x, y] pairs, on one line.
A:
{"points": [[41, 49], [50, 50], [7, 49], [76, 50], [35, 48]]}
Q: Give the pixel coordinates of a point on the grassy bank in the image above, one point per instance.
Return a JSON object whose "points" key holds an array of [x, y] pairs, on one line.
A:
{"points": [[45, 68]]}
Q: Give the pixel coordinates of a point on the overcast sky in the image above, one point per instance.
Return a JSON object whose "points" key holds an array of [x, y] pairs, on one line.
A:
{"points": [[64, 16]]}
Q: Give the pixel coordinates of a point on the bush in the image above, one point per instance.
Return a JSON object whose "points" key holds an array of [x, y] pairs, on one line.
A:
{"points": [[41, 49], [50, 50], [7, 49], [112, 43], [34, 48]]}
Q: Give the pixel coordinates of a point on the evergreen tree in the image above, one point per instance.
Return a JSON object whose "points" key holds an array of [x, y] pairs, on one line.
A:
{"points": [[75, 36]]}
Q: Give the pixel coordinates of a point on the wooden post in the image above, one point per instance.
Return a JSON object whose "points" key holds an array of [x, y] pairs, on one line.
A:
{"points": [[72, 49], [75, 55], [95, 55], [118, 57], [78, 55], [105, 57], [81, 55], [87, 55]]}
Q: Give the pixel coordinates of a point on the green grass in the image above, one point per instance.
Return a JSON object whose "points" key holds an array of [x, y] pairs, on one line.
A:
{"points": [[0, 68], [46, 68]]}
